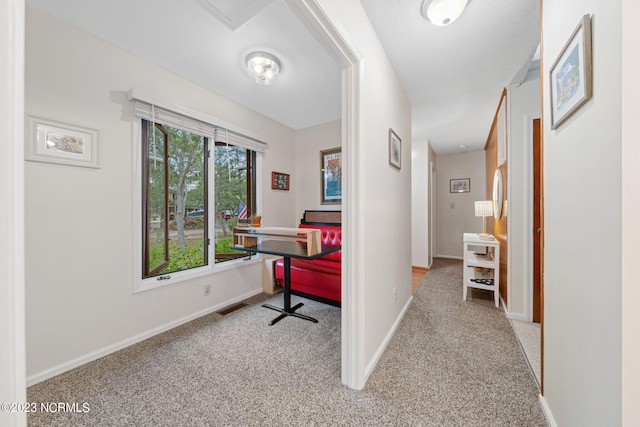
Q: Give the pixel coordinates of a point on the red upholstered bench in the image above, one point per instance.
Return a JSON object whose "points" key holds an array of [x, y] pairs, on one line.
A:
{"points": [[318, 279]]}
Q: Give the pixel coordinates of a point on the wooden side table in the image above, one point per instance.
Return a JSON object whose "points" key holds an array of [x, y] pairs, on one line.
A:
{"points": [[481, 264], [268, 274]]}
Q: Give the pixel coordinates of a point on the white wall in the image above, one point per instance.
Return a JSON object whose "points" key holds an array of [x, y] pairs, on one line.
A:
{"points": [[523, 104], [383, 193], [455, 212], [433, 185], [420, 171], [12, 307], [630, 209], [79, 248], [582, 286], [306, 169]]}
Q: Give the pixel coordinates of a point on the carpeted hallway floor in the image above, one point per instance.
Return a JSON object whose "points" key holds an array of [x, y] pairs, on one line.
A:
{"points": [[451, 363]]}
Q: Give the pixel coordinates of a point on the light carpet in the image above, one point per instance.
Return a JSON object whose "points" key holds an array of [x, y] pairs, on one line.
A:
{"points": [[450, 363]]}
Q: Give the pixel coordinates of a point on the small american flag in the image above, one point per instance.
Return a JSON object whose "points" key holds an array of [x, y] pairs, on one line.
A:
{"points": [[242, 210]]}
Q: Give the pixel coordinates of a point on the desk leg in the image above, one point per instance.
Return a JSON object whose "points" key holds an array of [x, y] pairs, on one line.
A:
{"points": [[288, 310], [287, 284]]}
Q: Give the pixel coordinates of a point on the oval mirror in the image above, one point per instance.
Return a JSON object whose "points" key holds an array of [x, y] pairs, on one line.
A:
{"points": [[497, 194]]}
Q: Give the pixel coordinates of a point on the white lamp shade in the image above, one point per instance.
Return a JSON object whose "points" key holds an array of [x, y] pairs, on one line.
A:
{"points": [[443, 12], [484, 208]]}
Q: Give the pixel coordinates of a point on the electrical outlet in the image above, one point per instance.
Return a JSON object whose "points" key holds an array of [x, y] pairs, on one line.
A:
{"points": [[395, 294], [207, 290]]}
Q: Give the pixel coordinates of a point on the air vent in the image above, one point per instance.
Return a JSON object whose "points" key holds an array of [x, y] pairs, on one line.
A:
{"points": [[231, 308]]}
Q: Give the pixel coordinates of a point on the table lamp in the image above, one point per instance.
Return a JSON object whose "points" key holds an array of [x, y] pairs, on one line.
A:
{"points": [[484, 208]]}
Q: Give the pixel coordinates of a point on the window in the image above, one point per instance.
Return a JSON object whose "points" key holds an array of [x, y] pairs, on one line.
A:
{"points": [[234, 190], [174, 199], [197, 181]]}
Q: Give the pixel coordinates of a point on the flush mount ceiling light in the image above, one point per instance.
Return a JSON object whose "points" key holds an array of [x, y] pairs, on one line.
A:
{"points": [[443, 12], [263, 67]]}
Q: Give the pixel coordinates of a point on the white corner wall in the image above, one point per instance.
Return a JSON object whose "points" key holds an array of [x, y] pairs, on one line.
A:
{"points": [[455, 212], [12, 286], [420, 171], [582, 287], [524, 105], [383, 195], [306, 169], [630, 209], [79, 248]]}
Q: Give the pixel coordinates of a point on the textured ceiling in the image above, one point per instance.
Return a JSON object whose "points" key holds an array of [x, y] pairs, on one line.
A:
{"points": [[452, 75]]}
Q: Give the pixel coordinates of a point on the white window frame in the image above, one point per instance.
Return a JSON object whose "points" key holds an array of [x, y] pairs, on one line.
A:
{"points": [[144, 284]]}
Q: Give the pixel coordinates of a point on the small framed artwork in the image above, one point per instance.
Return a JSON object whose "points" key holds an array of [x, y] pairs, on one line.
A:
{"points": [[280, 181], [571, 76], [395, 149], [460, 185], [49, 141], [331, 176]]}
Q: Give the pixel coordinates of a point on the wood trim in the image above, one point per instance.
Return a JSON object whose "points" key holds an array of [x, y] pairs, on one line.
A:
{"points": [[417, 274], [499, 228], [322, 217], [537, 205], [542, 108], [503, 97]]}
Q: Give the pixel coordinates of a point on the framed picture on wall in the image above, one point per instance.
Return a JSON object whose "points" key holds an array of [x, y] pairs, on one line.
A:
{"points": [[331, 176], [571, 77], [49, 141], [280, 181], [460, 185], [395, 149]]}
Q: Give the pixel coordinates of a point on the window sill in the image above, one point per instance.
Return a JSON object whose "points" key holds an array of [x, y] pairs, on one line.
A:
{"points": [[154, 283]]}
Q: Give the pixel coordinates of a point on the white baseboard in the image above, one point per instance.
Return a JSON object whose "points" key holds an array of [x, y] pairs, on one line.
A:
{"points": [[386, 341], [510, 315], [547, 412], [515, 316], [57, 370], [450, 257]]}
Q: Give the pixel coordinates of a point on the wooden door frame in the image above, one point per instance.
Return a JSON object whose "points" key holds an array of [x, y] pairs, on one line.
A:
{"points": [[528, 250], [432, 211], [542, 127], [529, 288], [536, 232]]}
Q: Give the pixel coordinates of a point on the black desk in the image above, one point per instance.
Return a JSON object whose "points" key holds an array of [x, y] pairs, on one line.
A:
{"points": [[287, 249]]}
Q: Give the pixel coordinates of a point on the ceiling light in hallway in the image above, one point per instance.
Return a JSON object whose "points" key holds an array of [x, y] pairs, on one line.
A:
{"points": [[443, 12]]}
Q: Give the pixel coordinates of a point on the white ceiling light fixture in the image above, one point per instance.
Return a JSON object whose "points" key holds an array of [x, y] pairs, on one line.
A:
{"points": [[263, 67], [443, 12]]}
